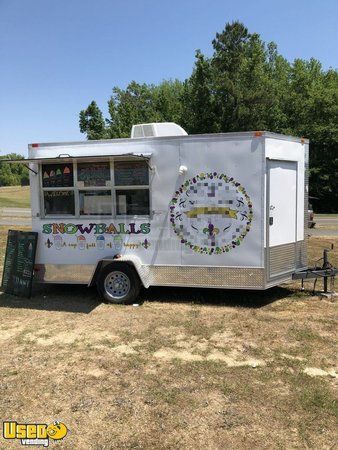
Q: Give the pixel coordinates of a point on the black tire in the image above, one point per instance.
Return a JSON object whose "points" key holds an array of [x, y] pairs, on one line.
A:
{"points": [[119, 283]]}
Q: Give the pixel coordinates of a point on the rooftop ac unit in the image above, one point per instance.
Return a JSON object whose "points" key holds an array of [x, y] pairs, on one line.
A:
{"points": [[145, 130]]}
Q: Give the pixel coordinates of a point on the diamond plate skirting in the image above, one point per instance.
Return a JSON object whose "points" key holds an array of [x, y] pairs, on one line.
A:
{"points": [[282, 259], [301, 254], [64, 273], [285, 258], [218, 277]]}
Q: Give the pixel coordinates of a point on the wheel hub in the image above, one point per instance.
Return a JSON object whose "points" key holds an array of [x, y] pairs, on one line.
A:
{"points": [[117, 284]]}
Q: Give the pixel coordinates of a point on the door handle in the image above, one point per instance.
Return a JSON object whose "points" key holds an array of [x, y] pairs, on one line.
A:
{"points": [[270, 220]]}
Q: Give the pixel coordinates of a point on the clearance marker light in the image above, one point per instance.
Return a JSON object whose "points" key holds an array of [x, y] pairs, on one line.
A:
{"points": [[258, 133], [35, 145]]}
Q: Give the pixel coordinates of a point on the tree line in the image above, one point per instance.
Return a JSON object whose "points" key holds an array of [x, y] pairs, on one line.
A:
{"points": [[13, 174], [246, 84]]}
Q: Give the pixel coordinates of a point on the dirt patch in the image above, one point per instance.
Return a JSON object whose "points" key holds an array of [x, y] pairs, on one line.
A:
{"points": [[234, 359], [189, 369], [41, 338], [7, 333], [293, 358], [96, 373], [168, 354], [315, 372]]}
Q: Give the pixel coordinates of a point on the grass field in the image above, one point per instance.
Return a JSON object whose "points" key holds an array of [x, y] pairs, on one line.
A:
{"points": [[15, 196], [187, 369]]}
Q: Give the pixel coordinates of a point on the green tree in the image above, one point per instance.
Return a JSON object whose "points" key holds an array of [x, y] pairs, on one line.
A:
{"points": [[142, 103], [312, 111], [245, 85], [198, 100], [278, 70], [242, 82], [13, 174], [129, 106], [168, 101], [92, 123], [228, 60]]}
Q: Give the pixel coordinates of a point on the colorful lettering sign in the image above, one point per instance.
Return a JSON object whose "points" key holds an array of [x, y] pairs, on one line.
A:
{"points": [[95, 228]]}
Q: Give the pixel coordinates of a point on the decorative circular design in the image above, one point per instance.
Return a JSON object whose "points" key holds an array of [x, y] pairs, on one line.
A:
{"points": [[211, 213]]}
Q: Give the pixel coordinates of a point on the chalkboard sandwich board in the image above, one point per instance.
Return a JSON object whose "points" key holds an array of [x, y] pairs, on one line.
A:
{"points": [[19, 263]]}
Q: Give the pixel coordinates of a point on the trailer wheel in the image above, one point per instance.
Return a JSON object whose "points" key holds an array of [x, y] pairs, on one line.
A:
{"points": [[119, 283]]}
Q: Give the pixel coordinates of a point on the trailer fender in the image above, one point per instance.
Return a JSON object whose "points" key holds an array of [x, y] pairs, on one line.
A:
{"points": [[133, 260]]}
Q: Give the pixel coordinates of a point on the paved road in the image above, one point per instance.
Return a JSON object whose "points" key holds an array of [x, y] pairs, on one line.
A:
{"points": [[18, 222], [14, 212], [325, 226], [15, 216], [326, 220]]}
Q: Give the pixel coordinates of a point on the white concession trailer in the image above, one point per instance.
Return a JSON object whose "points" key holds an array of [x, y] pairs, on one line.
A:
{"points": [[165, 208]]}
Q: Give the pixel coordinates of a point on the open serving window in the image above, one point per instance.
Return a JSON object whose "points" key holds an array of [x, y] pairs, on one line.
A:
{"points": [[94, 198], [58, 189], [131, 180], [105, 187]]}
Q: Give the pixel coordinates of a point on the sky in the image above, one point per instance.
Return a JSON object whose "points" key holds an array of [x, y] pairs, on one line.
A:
{"points": [[56, 56]]}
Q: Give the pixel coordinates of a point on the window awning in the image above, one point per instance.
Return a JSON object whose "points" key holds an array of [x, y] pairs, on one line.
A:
{"points": [[65, 158]]}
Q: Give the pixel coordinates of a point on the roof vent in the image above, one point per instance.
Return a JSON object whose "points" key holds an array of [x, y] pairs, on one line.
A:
{"points": [[145, 130]]}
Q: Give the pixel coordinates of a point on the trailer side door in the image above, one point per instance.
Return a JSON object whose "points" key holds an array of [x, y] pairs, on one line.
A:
{"points": [[281, 216]]}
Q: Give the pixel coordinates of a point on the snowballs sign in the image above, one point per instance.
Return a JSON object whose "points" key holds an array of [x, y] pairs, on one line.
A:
{"points": [[211, 213], [93, 235], [95, 228]]}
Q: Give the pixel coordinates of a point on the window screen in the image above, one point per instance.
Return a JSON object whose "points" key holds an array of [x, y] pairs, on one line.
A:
{"points": [[132, 202], [57, 175], [59, 202], [131, 173], [93, 174], [96, 202]]}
